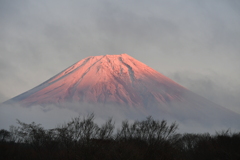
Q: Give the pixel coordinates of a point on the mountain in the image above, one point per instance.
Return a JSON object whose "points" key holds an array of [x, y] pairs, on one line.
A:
{"points": [[122, 81], [104, 79]]}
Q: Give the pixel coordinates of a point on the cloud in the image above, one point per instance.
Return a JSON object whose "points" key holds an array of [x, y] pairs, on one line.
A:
{"points": [[190, 118], [51, 116], [49, 119], [217, 88]]}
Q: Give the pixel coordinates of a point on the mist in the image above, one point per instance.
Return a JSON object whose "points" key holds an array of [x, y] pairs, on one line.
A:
{"points": [[52, 116]]}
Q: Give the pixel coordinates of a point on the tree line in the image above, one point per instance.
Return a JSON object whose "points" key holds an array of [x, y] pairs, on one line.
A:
{"points": [[83, 139]]}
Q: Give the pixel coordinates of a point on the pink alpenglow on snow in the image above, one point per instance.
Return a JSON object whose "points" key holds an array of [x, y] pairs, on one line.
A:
{"points": [[118, 79]]}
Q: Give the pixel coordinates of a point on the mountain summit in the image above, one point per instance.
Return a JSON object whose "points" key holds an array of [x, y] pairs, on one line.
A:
{"points": [[118, 79]]}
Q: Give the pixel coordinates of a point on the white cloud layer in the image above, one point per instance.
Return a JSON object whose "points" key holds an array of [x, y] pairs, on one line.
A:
{"points": [[190, 119]]}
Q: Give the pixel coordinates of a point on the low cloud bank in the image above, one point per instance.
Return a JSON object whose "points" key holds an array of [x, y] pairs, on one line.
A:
{"points": [[51, 116]]}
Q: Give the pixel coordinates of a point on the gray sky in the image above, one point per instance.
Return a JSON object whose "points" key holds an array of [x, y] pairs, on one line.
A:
{"points": [[194, 42]]}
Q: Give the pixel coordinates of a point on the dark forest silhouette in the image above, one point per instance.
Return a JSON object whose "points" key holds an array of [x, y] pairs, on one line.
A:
{"points": [[82, 138]]}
